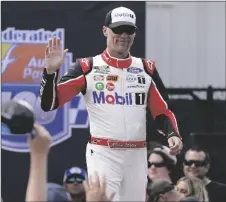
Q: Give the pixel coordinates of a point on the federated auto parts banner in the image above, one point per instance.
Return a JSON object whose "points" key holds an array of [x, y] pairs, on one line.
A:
{"points": [[22, 58]]}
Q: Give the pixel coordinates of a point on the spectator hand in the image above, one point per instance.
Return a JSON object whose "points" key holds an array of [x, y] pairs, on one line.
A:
{"points": [[175, 145], [95, 190], [41, 143]]}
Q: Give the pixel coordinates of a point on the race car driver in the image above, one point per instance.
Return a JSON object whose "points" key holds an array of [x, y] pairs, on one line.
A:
{"points": [[116, 87]]}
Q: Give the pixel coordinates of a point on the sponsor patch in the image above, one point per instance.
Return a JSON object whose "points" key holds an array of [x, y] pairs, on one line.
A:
{"points": [[131, 78], [98, 77], [110, 86], [112, 78], [101, 69], [141, 79], [99, 86], [104, 98], [150, 65], [125, 99], [134, 70], [85, 64], [135, 86]]}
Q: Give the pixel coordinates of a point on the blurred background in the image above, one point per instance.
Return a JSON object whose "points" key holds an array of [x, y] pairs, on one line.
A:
{"points": [[186, 39]]}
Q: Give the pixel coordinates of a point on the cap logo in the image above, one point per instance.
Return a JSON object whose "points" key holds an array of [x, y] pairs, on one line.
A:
{"points": [[75, 170], [123, 15]]}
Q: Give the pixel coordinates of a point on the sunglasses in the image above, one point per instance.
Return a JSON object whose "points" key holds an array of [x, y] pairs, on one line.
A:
{"points": [[156, 164], [121, 29], [195, 162], [77, 179]]}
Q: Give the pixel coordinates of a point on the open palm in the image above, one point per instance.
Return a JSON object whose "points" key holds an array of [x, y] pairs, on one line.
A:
{"points": [[54, 56]]}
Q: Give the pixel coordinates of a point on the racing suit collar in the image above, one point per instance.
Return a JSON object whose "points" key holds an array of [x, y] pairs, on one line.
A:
{"points": [[115, 62]]}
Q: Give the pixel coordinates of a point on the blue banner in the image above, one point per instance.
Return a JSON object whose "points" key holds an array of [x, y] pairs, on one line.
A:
{"points": [[22, 66]]}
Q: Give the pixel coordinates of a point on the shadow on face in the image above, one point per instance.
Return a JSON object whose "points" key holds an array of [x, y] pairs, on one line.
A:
{"points": [[120, 39]]}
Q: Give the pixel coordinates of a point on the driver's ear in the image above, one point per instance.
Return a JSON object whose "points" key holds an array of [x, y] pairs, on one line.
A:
{"points": [[105, 31]]}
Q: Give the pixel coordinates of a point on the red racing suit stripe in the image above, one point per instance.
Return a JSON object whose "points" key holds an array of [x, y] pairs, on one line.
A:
{"points": [[69, 89], [165, 120]]}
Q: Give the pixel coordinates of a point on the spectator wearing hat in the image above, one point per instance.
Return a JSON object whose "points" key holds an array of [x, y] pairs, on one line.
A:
{"points": [[73, 182], [163, 191], [18, 118], [160, 163]]}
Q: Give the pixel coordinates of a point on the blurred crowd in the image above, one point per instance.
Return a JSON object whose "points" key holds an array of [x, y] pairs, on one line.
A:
{"points": [[77, 186]]}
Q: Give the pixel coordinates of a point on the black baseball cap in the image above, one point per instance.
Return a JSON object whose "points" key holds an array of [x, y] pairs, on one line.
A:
{"points": [[75, 171], [120, 16], [17, 117], [159, 187]]}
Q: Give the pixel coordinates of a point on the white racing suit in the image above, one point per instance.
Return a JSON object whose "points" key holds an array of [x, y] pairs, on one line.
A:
{"points": [[116, 93]]}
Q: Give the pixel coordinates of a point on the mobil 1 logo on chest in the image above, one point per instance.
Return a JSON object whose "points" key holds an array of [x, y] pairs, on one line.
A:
{"points": [[137, 98]]}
